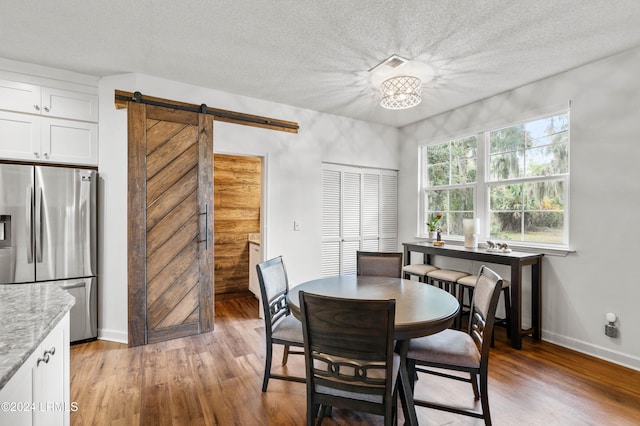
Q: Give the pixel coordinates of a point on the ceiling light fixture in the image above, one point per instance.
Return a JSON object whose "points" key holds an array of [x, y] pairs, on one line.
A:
{"points": [[401, 92]]}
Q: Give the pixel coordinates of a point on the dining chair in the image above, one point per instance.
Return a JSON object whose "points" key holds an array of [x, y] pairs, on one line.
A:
{"points": [[379, 264], [462, 351], [467, 285], [280, 326], [349, 358]]}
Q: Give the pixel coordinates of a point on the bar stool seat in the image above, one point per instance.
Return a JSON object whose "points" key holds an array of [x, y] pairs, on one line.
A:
{"points": [[446, 279], [418, 269], [468, 283]]}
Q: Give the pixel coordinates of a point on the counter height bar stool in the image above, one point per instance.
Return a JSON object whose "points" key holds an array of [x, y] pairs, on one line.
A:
{"points": [[419, 270], [468, 284], [280, 326], [349, 356], [447, 280], [461, 351], [379, 264]]}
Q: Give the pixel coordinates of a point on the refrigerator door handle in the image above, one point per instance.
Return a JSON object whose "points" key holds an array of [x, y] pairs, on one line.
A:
{"points": [[76, 285], [29, 223], [39, 228]]}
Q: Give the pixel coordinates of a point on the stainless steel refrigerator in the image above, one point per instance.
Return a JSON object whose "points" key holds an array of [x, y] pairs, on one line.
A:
{"points": [[48, 234]]}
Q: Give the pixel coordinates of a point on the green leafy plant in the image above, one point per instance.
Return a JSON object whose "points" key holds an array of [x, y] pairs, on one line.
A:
{"points": [[433, 223]]}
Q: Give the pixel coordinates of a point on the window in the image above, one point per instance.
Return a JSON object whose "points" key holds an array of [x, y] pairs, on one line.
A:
{"points": [[451, 182], [514, 179]]}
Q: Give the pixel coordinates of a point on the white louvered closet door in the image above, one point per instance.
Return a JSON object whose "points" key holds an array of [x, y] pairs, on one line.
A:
{"points": [[359, 212], [331, 213], [388, 231], [370, 211]]}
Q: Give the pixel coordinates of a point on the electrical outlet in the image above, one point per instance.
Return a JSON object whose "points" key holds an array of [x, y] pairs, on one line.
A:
{"points": [[611, 330]]}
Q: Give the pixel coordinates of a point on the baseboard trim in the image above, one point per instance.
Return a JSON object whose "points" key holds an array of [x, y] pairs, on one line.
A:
{"points": [[113, 336], [606, 354]]}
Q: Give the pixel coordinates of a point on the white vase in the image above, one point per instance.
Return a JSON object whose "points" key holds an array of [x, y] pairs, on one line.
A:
{"points": [[433, 235]]}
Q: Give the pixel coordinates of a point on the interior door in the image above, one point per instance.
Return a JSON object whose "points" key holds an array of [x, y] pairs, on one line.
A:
{"points": [[170, 223]]}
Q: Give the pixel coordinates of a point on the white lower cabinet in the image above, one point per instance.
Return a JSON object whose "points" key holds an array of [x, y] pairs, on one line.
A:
{"points": [[255, 257], [38, 393], [34, 138]]}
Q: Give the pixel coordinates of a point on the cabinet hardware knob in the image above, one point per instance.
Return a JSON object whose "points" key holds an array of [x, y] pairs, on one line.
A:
{"points": [[46, 155], [46, 109], [44, 359], [36, 155], [37, 107]]}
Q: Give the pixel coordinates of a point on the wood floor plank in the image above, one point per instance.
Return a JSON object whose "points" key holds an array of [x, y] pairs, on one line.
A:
{"points": [[215, 379]]}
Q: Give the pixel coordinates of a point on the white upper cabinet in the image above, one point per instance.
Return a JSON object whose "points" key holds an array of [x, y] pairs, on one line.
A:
{"points": [[47, 125], [20, 97], [73, 105], [32, 99], [32, 138]]}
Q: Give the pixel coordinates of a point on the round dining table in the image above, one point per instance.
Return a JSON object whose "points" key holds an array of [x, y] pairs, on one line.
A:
{"points": [[421, 310]]}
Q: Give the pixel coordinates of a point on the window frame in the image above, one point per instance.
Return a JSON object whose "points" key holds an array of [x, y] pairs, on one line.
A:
{"points": [[483, 184]]}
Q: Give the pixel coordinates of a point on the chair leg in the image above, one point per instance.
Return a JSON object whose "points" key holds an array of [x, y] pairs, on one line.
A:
{"points": [[484, 399], [411, 372], [267, 367], [474, 385], [285, 355]]}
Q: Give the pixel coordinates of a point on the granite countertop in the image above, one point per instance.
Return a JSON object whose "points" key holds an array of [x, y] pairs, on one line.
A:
{"points": [[28, 312]]}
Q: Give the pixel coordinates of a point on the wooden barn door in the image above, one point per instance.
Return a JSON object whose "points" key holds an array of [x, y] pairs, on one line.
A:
{"points": [[170, 223]]}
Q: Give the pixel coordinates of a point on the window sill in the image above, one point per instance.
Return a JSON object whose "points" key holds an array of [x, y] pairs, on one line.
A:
{"points": [[546, 250]]}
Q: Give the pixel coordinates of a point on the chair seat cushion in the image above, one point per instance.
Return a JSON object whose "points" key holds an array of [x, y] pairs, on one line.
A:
{"points": [[450, 347], [419, 269], [364, 396], [447, 275], [290, 329], [470, 281]]}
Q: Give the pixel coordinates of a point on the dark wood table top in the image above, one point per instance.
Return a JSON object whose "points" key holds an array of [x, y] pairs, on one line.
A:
{"points": [[421, 309]]}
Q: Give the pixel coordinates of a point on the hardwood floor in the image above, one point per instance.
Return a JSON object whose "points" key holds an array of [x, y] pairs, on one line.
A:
{"points": [[215, 379]]}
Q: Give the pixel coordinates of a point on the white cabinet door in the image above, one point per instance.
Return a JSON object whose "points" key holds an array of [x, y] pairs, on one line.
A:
{"points": [[65, 141], [255, 257], [20, 97], [66, 104], [50, 378], [19, 136]]}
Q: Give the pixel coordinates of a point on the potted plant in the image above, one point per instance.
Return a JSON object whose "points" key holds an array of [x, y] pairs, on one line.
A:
{"points": [[433, 225]]}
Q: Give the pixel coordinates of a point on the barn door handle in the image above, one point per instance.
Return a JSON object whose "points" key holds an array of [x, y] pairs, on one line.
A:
{"points": [[206, 227]]}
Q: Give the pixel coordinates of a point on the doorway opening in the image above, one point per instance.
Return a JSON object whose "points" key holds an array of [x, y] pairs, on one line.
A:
{"points": [[237, 183]]}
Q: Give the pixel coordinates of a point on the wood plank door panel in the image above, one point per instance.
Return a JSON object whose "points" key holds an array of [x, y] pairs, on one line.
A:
{"points": [[171, 204]]}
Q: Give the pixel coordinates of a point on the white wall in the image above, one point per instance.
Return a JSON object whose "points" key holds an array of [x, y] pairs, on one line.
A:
{"points": [[293, 165], [600, 276]]}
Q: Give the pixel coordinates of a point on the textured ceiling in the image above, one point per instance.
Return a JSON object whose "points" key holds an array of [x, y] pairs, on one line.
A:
{"points": [[317, 54]]}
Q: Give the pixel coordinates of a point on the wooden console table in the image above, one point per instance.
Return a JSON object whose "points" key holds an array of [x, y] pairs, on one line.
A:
{"points": [[517, 260]]}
